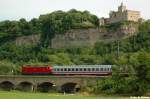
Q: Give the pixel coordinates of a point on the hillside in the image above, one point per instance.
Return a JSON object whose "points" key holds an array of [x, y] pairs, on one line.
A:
{"points": [[99, 53], [125, 45], [23, 42]]}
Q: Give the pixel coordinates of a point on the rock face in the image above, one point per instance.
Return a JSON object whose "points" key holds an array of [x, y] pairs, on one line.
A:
{"points": [[88, 37], [80, 37], [77, 37], [28, 40]]}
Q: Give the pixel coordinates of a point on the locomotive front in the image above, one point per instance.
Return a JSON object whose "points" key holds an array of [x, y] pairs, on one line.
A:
{"points": [[35, 70]]}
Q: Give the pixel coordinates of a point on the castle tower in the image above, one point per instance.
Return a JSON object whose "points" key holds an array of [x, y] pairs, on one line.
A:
{"points": [[122, 8]]}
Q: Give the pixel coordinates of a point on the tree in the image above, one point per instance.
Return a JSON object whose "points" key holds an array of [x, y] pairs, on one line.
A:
{"points": [[7, 68], [142, 73], [25, 27]]}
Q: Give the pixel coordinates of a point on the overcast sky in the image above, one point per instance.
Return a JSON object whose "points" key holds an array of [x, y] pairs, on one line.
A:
{"points": [[28, 9]]}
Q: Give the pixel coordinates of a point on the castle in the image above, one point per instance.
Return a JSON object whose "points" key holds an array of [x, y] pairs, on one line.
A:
{"points": [[122, 14]]}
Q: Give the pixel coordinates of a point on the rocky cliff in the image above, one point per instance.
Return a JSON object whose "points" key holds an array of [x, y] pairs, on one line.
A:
{"points": [[81, 37], [88, 37], [28, 40]]}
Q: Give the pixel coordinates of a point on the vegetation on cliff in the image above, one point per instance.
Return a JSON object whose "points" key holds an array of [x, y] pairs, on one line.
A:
{"points": [[59, 22], [48, 25], [9, 30]]}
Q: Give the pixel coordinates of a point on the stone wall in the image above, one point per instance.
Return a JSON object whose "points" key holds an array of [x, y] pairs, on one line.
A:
{"points": [[133, 15]]}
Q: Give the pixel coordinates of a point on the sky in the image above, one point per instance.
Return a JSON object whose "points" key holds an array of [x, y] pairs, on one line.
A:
{"points": [[28, 9]]}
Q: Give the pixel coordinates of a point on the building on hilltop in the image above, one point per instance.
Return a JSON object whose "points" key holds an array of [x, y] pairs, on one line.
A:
{"points": [[123, 14]]}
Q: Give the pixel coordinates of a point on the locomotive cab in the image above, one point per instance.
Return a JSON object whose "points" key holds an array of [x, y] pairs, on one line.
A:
{"points": [[42, 70]]}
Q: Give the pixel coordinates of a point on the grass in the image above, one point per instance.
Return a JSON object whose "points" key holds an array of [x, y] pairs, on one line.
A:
{"points": [[24, 95]]}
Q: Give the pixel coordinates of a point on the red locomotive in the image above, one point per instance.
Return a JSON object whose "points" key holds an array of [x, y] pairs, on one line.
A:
{"points": [[98, 70], [36, 70]]}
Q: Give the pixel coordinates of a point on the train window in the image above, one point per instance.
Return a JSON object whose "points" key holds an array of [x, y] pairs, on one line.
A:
{"points": [[101, 69], [76, 69], [84, 69], [89, 69], [97, 69], [65, 69], [72, 69], [57, 69], [69, 69], [105, 69], [80, 69], [62, 69]]}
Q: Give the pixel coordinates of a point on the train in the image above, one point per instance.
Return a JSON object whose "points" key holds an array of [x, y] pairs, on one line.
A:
{"points": [[96, 70]]}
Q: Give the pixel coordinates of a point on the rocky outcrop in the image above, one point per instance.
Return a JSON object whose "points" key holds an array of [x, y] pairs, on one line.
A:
{"points": [[88, 37], [28, 40], [80, 37]]}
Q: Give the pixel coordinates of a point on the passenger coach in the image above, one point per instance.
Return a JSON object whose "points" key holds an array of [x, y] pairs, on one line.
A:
{"points": [[102, 70]]}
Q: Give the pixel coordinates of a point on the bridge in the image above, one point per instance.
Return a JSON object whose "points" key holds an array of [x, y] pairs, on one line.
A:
{"points": [[47, 83]]}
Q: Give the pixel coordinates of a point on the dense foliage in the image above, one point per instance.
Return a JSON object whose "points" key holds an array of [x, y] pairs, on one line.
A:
{"points": [[9, 30], [133, 56], [47, 25], [59, 22]]}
